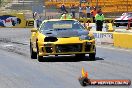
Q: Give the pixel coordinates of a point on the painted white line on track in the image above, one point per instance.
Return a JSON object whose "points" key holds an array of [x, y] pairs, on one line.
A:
{"points": [[113, 48]]}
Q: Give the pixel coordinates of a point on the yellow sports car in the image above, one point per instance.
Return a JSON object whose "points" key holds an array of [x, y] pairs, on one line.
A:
{"points": [[61, 37]]}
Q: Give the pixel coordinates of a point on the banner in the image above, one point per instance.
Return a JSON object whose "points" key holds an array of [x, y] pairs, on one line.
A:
{"points": [[103, 37], [12, 20]]}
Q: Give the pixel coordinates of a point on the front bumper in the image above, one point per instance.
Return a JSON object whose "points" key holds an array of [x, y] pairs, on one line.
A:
{"points": [[66, 49]]}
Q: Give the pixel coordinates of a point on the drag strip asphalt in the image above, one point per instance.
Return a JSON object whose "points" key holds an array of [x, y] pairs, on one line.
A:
{"points": [[17, 70]]}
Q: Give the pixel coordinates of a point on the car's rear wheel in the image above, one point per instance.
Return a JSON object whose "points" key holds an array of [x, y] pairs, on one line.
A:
{"points": [[32, 53], [92, 56], [80, 55]]}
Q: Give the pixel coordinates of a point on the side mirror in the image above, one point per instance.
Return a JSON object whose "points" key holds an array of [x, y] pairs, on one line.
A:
{"points": [[34, 30]]}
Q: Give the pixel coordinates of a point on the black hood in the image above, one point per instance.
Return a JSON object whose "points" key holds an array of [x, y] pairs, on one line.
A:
{"points": [[64, 33]]}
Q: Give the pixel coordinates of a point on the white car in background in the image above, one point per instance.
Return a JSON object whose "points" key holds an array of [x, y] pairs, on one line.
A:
{"points": [[124, 19]]}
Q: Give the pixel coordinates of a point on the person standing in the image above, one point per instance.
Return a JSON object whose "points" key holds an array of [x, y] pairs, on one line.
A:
{"points": [[80, 12], [63, 8], [66, 15], [73, 11], [99, 17], [88, 11], [93, 13], [37, 19]]}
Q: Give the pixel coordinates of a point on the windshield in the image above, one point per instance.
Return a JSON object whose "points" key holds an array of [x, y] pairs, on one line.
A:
{"points": [[62, 25], [127, 14], [130, 15]]}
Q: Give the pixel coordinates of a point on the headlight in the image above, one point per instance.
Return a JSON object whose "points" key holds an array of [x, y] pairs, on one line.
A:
{"points": [[85, 37]]}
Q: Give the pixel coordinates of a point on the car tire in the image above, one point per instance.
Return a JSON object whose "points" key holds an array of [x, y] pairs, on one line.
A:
{"points": [[80, 55], [92, 56], [117, 25], [32, 53], [40, 58]]}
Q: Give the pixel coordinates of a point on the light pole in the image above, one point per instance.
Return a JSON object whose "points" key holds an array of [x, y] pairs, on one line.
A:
{"points": [[97, 4], [127, 5]]}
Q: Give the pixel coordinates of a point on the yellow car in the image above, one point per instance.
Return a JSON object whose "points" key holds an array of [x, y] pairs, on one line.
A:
{"points": [[61, 37]]}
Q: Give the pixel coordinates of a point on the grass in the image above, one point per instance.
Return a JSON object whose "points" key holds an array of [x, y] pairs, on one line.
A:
{"points": [[4, 2]]}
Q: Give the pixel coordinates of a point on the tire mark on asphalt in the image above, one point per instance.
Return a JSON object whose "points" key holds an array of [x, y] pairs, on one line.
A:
{"points": [[15, 49], [6, 40]]}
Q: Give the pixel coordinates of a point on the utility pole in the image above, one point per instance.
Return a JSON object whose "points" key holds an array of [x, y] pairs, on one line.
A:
{"points": [[127, 5], [97, 4]]}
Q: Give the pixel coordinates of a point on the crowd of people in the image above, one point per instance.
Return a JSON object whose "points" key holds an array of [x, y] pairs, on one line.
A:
{"points": [[91, 12], [95, 14]]}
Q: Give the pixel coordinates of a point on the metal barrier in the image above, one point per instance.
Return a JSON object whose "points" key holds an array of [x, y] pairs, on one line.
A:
{"points": [[89, 20], [103, 37], [123, 40]]}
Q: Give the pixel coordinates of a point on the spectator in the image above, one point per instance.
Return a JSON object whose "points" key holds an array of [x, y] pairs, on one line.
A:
{"points": [[66, 15], [99, 21], [80, 12], [37, 19], [100, 11], [88, 11], [63, 8], [35, 15], [73, 11], [93, 13]]}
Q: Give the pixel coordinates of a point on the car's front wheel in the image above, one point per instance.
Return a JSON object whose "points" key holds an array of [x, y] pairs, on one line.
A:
{"points": [[32, 53], [92, 56], [40, 58]]}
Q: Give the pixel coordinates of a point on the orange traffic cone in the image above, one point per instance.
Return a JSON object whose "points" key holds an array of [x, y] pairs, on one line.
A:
{"points": [[84, 74]]}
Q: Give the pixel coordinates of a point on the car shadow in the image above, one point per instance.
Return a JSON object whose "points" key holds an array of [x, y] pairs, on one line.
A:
{"points": [[68, 59]]}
